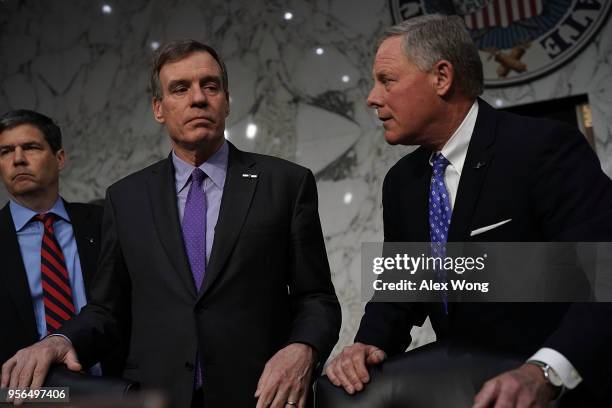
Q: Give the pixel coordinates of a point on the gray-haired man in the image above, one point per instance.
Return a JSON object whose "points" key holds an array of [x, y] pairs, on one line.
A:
{"points": [[535, 180]]}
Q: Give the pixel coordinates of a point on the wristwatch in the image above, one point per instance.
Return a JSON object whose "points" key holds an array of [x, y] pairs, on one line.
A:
{"points": [[549, 373]]}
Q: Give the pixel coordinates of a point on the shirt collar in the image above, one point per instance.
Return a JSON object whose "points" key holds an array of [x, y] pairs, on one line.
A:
{"points": [[455, 149], [215, 168], [22, 215]]}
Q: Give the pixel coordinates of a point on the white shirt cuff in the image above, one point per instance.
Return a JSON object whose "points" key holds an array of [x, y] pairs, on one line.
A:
{"points": [[557, 361]]}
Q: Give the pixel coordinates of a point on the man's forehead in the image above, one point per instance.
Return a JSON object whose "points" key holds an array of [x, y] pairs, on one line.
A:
{"points": [[23, 131], [390, 49], [196, 63], [391, 55]]}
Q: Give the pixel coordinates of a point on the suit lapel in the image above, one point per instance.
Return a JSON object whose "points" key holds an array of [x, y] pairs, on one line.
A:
{"points": [[477, 163], [13, 274], [86, 234], [418, 207], [162, 195], [235, 203]]}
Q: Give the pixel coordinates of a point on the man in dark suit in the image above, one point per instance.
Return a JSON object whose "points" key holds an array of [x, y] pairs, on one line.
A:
{"points": [[31, 158], [481, 175], [215, 255]]}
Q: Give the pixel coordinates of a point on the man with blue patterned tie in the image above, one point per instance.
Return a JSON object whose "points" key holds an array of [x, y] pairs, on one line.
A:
{"points": [[482, 175], [49, 246]]}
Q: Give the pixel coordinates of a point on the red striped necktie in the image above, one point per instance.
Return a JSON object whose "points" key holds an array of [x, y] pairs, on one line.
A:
{"points": [[57, 294]]}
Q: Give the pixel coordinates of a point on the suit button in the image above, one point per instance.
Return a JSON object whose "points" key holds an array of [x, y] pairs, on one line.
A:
{"points": [[200, 309], [189, 365]]}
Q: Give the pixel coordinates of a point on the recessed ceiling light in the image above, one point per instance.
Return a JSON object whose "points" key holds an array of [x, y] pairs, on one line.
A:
{"points": [[348, 197], [251, 130]]}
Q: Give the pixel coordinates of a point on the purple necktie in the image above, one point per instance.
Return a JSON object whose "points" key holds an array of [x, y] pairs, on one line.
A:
{"points": [[194, 226], [194, 235]]}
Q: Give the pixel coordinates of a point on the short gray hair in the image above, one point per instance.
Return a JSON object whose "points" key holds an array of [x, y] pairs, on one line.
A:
{"points": [[430, 38]]}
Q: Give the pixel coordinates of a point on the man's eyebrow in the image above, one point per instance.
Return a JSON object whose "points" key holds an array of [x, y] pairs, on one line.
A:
{"points": [[176, 82], [30, 144], [24, 144], [205, 79], [210, 78]]}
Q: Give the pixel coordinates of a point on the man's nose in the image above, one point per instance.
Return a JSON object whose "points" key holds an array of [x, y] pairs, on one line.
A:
{"points": [[374, 100], [198, 96], [19, 156]]}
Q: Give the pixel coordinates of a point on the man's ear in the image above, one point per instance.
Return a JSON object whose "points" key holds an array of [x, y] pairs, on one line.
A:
{"points": [[60, 156], [158, 110], [444, 76]]}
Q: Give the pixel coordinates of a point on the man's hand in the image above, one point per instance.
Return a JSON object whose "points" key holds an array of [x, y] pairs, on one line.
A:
{"points": [[286, 377], [349, 369], [29, 366], [522, 387]]}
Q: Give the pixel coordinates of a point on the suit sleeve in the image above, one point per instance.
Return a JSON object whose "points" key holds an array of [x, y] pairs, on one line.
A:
{"points": [[387, 325], [100, 325], [574, 200], [315, 308]]}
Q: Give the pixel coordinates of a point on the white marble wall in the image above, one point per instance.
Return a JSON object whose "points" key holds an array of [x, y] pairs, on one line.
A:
{"points": [[88, 70]]}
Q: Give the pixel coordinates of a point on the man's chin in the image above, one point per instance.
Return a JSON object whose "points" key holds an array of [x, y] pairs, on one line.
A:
{"points": [[22, 189], [197, 138], [393, 139], [404, 140], [196, 142]]}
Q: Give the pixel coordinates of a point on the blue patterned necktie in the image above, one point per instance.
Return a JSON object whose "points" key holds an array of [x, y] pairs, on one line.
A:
{"points": [[440, 212], [194, 235]]}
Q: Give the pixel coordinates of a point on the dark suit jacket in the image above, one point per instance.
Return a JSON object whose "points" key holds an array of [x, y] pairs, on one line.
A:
{"points": [[267, 282], [544, 176], [17, 317]]}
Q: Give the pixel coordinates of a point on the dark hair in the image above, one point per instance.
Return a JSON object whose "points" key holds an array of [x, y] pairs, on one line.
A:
{"points": [[48, 128], [175, 51]]}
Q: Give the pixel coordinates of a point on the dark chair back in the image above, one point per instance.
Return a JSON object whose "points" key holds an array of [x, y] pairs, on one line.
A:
{"points": [[432, 376], [86, 385]]}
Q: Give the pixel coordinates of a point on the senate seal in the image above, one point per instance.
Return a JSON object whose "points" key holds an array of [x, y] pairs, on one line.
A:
{"points": [[518, 40]]}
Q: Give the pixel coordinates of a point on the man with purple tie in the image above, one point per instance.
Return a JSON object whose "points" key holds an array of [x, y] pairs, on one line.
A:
{"points": [[213, 255]]}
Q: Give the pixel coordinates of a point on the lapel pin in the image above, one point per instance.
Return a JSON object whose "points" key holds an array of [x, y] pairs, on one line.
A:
{"points": [[246, 175], [479, 165]]}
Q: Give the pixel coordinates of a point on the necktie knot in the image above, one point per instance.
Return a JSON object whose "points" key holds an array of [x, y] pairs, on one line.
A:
{"points": [[198, 176], [47, 219], [440, 162]]}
